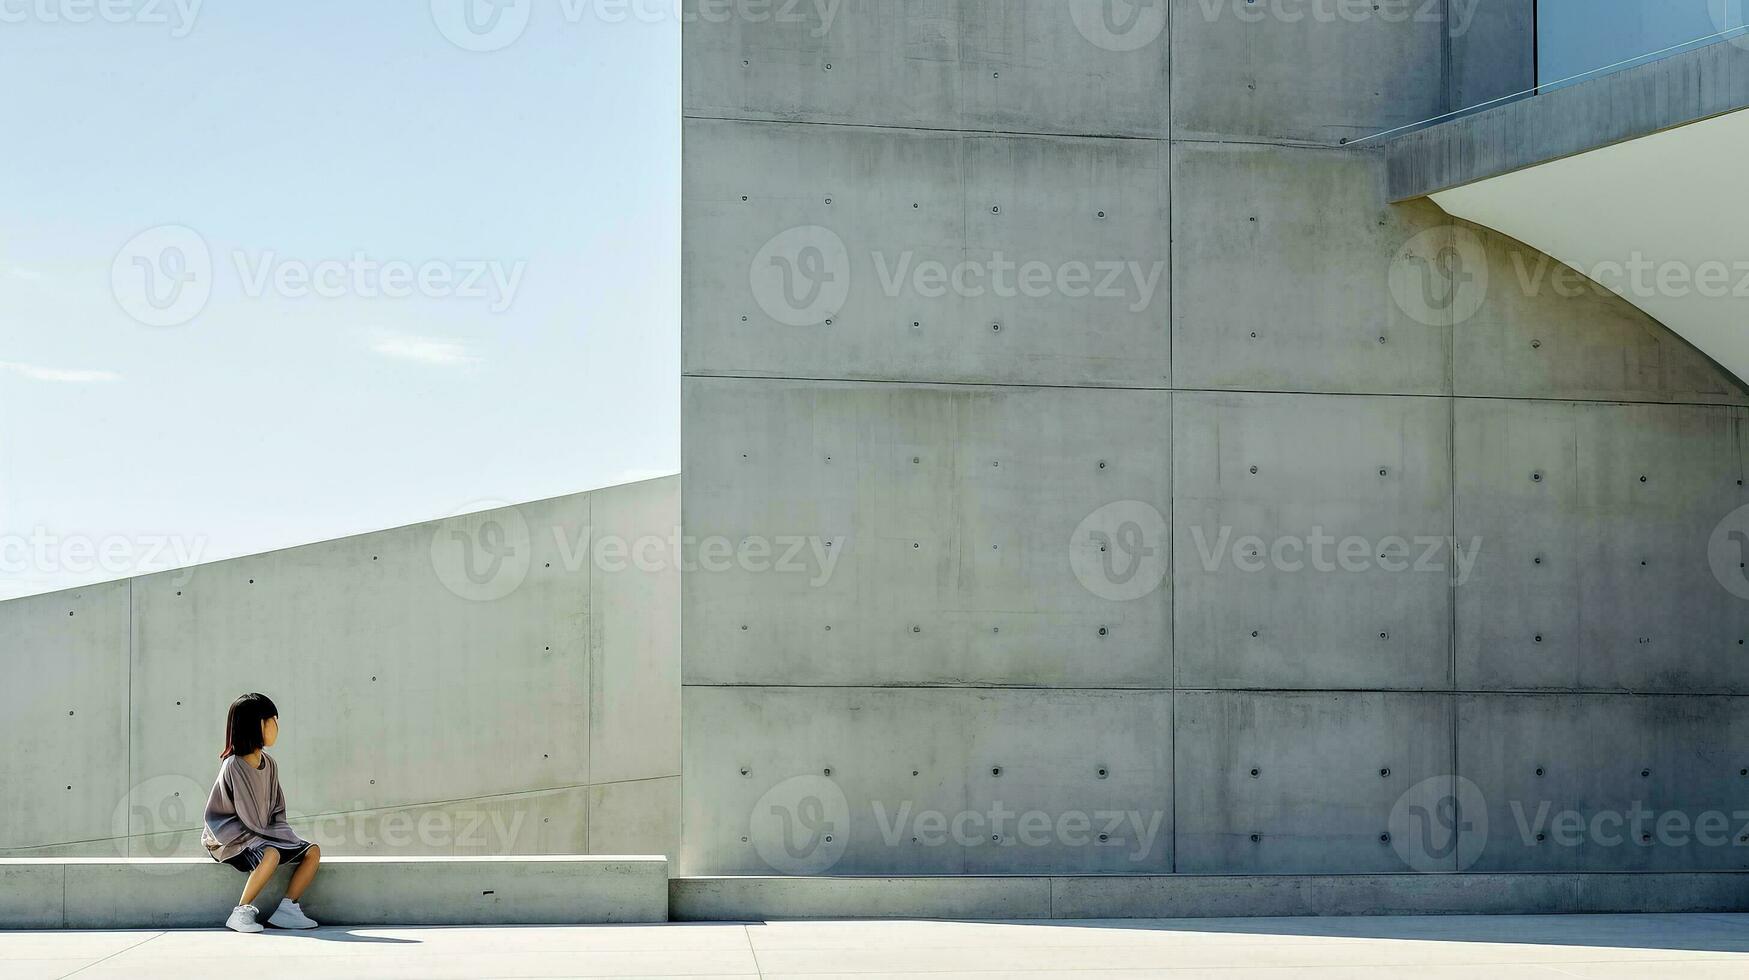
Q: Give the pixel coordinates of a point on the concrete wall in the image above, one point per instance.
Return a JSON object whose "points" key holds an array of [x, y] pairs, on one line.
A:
{"points": [[505, 682], [1333, 501]]}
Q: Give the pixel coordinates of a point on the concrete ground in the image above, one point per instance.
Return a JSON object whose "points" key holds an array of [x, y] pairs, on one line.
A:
{"points": [[1498, 947]]}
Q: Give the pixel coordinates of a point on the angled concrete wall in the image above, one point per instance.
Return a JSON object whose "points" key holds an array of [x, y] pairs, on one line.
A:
{"points": [[505, 682], [1350, 497]]}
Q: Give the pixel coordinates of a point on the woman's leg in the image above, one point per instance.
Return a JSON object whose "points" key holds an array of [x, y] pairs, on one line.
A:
{"points": [[259, 877], [305, 873]]}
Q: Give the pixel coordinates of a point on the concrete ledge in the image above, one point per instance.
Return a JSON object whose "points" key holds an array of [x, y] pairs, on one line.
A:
{"points": [[1201, 896], [743, 899], [159, 893], [1625, 105]]}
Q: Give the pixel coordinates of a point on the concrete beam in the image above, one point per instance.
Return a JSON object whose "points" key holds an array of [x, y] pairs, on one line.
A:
{"points": [[1626, 105]]}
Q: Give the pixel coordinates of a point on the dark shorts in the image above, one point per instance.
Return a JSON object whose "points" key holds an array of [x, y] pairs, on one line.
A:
{"points": [[250, 859]]}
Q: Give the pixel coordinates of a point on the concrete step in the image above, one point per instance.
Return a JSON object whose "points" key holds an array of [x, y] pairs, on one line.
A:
{"points": [[161, 893], [752, 898]]}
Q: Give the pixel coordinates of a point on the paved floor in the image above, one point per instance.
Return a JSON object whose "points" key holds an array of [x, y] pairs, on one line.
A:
{"points": [[1427, 948]]}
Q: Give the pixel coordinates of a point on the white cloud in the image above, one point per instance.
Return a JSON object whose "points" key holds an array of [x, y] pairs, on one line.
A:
{"points": [[20, 272], [425, 350], [69, 376]]}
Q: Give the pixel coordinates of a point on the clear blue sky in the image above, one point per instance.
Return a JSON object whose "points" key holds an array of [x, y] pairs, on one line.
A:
{"points": [[312, 131]]}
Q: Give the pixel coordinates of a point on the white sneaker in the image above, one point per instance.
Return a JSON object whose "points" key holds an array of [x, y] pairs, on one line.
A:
{"points": [[243, 919], [290, 915]]}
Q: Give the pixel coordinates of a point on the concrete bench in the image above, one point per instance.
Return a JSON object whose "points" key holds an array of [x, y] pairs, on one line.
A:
{"points": [[161, 893]]}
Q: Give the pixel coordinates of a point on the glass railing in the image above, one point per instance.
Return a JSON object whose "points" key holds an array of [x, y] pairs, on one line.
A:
{"points": [[1580, 40]]}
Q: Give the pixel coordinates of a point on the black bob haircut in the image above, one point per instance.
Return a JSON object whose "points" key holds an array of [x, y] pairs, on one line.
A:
{"points": [[243, 724]]}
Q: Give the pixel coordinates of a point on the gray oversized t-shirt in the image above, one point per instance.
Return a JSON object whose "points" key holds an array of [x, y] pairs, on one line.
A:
{"points": [[246, 809]]}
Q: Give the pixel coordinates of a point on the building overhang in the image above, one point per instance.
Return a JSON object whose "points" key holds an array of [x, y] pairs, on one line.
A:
{"points": [[1634, 179]]}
